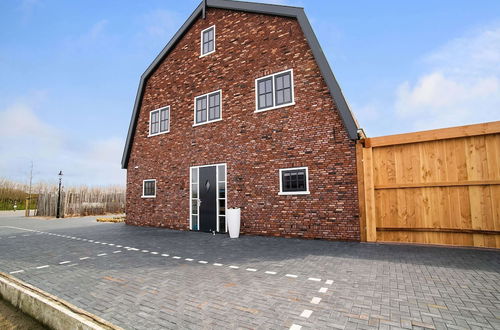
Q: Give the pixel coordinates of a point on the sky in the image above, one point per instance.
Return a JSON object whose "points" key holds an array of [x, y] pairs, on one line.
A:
{"points": [[69, 72]]}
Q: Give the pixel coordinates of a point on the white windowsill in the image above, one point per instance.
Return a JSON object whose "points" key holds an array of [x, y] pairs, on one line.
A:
{"points": [[213, 51], [150, 135], [275, 107], [207, 122], [148, 196], [294, 193]]}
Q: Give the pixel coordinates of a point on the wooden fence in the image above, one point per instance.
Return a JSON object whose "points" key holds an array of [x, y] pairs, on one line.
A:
{"points": [[82, 202], [437, 187]]}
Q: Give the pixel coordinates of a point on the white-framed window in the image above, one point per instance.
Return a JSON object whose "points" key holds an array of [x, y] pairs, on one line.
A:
{"points": [[207, 45], [149, 188], [159, 121], [208, 108], [294, 181], [274, 91]]}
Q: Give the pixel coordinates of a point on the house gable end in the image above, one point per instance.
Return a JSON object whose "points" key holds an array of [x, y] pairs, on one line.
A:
{"points": [[276, 10]]}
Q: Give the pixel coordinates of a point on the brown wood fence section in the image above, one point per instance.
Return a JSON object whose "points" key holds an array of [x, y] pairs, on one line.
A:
{"points": [[436, 187], [82, 202]]}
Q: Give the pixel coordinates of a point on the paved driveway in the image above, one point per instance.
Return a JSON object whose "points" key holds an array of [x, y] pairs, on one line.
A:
{"points": [[150, 278]]}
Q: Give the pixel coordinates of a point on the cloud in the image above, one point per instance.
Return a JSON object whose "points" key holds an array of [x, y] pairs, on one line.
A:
{"points": [[25, 137], [461, 85]]}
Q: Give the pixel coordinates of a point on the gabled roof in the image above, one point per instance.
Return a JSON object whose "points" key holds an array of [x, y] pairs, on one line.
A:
{"points": [[259, 8]]}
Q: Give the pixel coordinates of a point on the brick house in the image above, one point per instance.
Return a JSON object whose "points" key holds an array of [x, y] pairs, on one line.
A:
{"points": [[241, 109]]}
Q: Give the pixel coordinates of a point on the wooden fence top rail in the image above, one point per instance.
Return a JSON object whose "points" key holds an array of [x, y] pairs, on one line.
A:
{"points": [[438, 184], [442, 230], [435, 134]]}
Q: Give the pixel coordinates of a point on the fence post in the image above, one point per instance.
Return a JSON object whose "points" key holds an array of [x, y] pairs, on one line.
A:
{"points": [[368, 204]]}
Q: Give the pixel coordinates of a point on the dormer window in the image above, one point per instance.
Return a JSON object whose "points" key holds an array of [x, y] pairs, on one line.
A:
{"points": [[208, 41]]}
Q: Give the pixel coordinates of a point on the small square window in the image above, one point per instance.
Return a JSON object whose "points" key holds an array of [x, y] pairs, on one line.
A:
{"points": [[159, 121], [294, 181], [149, 188], [208, 41]]}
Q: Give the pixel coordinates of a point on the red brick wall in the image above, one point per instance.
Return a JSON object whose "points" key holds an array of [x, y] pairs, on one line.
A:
{"points": [[254, 145]]}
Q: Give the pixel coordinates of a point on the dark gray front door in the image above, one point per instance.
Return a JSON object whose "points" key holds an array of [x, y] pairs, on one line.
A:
{"points": [[208, 198]]}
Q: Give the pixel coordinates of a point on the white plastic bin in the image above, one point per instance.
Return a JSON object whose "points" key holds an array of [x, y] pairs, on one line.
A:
{"points": [[233, 222]]}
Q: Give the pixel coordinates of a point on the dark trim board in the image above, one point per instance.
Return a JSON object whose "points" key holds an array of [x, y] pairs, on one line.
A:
{"points": [[260, 8]]}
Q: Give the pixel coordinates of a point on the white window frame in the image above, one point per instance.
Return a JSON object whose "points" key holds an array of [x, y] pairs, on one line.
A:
{"points": [[144, 186], [307, 192], [217, 179], [201, 41], [206, 95], [274, 92], [159, 120]]}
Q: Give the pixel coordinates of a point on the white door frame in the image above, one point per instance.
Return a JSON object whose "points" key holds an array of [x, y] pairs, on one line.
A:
{"points": [[198, 194]]}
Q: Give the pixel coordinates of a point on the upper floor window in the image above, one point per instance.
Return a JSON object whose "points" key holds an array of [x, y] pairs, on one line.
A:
{"points": [[208, 41], [274, 91], [207, 108], [159, 121], [149, 188], [294, 181]]}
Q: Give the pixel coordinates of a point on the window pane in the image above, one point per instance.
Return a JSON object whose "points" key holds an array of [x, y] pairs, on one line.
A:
{"points": [[222, 206], [269, 86], [222, 172], [222, 224], [222, 190], [149, 188], [279, 97], [269, 100], [194, 222], [194, 206], [283, 88], [279, 82], [194, 191], [214, 108], [154, 123], [294, 180]]}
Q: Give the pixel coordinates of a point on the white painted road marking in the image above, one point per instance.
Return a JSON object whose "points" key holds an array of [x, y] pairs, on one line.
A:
{"points": [[188, 259], [295, 327], [165, 255], [176, 257], [217, 264], [64, 262], [315, 300], [44, 266], [234, 267], [17, 271], [291, 275], [314, 279], [83, 258], [102, 254], [251, 269], [203, 262], [323, 290], [306, 313], [117, 251], [270, 273]]}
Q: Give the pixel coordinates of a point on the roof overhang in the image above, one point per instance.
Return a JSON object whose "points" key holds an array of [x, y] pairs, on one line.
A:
{"points": [[350, 123]]}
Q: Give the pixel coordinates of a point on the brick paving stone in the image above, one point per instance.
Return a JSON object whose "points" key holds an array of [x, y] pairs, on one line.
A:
{"points": [[374, 285]]}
